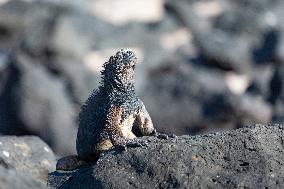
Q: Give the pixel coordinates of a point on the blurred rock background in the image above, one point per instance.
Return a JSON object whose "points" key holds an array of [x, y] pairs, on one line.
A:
{"points": [[205, 65]]}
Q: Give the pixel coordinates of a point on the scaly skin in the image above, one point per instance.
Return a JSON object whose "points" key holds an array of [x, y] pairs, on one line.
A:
{"points": [[112, 112]]}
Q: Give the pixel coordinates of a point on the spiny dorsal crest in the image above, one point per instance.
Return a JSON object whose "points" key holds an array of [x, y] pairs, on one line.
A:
{"points": [[119, 65]]}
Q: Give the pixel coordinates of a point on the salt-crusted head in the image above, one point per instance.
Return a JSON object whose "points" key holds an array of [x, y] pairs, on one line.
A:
{"points": [[119, 70]]}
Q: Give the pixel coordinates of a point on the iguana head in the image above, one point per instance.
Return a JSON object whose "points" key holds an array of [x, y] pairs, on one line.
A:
{"points": [[119, 70]]}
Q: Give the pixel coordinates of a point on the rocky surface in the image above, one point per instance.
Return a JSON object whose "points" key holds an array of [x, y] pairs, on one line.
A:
{"points": [[250, 157], [11, 179], [25, 155], [205, 65]]}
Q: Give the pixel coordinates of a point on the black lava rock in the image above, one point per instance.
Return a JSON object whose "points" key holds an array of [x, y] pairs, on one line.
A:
{"points": [[251, 157]]}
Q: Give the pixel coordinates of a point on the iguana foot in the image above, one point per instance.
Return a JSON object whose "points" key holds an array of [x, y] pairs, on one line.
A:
{"points": [[160, 135], [121, 147], [137, 143], [163, 136]]}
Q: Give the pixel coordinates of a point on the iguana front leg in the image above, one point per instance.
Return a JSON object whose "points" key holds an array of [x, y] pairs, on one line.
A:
{"points": [[113, 127], [144, 122]]}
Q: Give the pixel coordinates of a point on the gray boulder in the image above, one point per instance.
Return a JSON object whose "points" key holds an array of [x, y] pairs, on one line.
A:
{"points": [[175, 93], [45, 107], [11, 179], [245, 32], [251, 157], [187, 98], [28, 155], [277, 93]]}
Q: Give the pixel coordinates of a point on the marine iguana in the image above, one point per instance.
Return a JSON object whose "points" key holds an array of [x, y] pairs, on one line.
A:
{"points": [[112, 114], [107, 118]]}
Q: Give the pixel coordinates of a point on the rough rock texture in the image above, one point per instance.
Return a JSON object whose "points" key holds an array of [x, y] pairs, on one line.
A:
{"points": [[251, 157], [28, 155], [11, 179], [64, 43]]}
